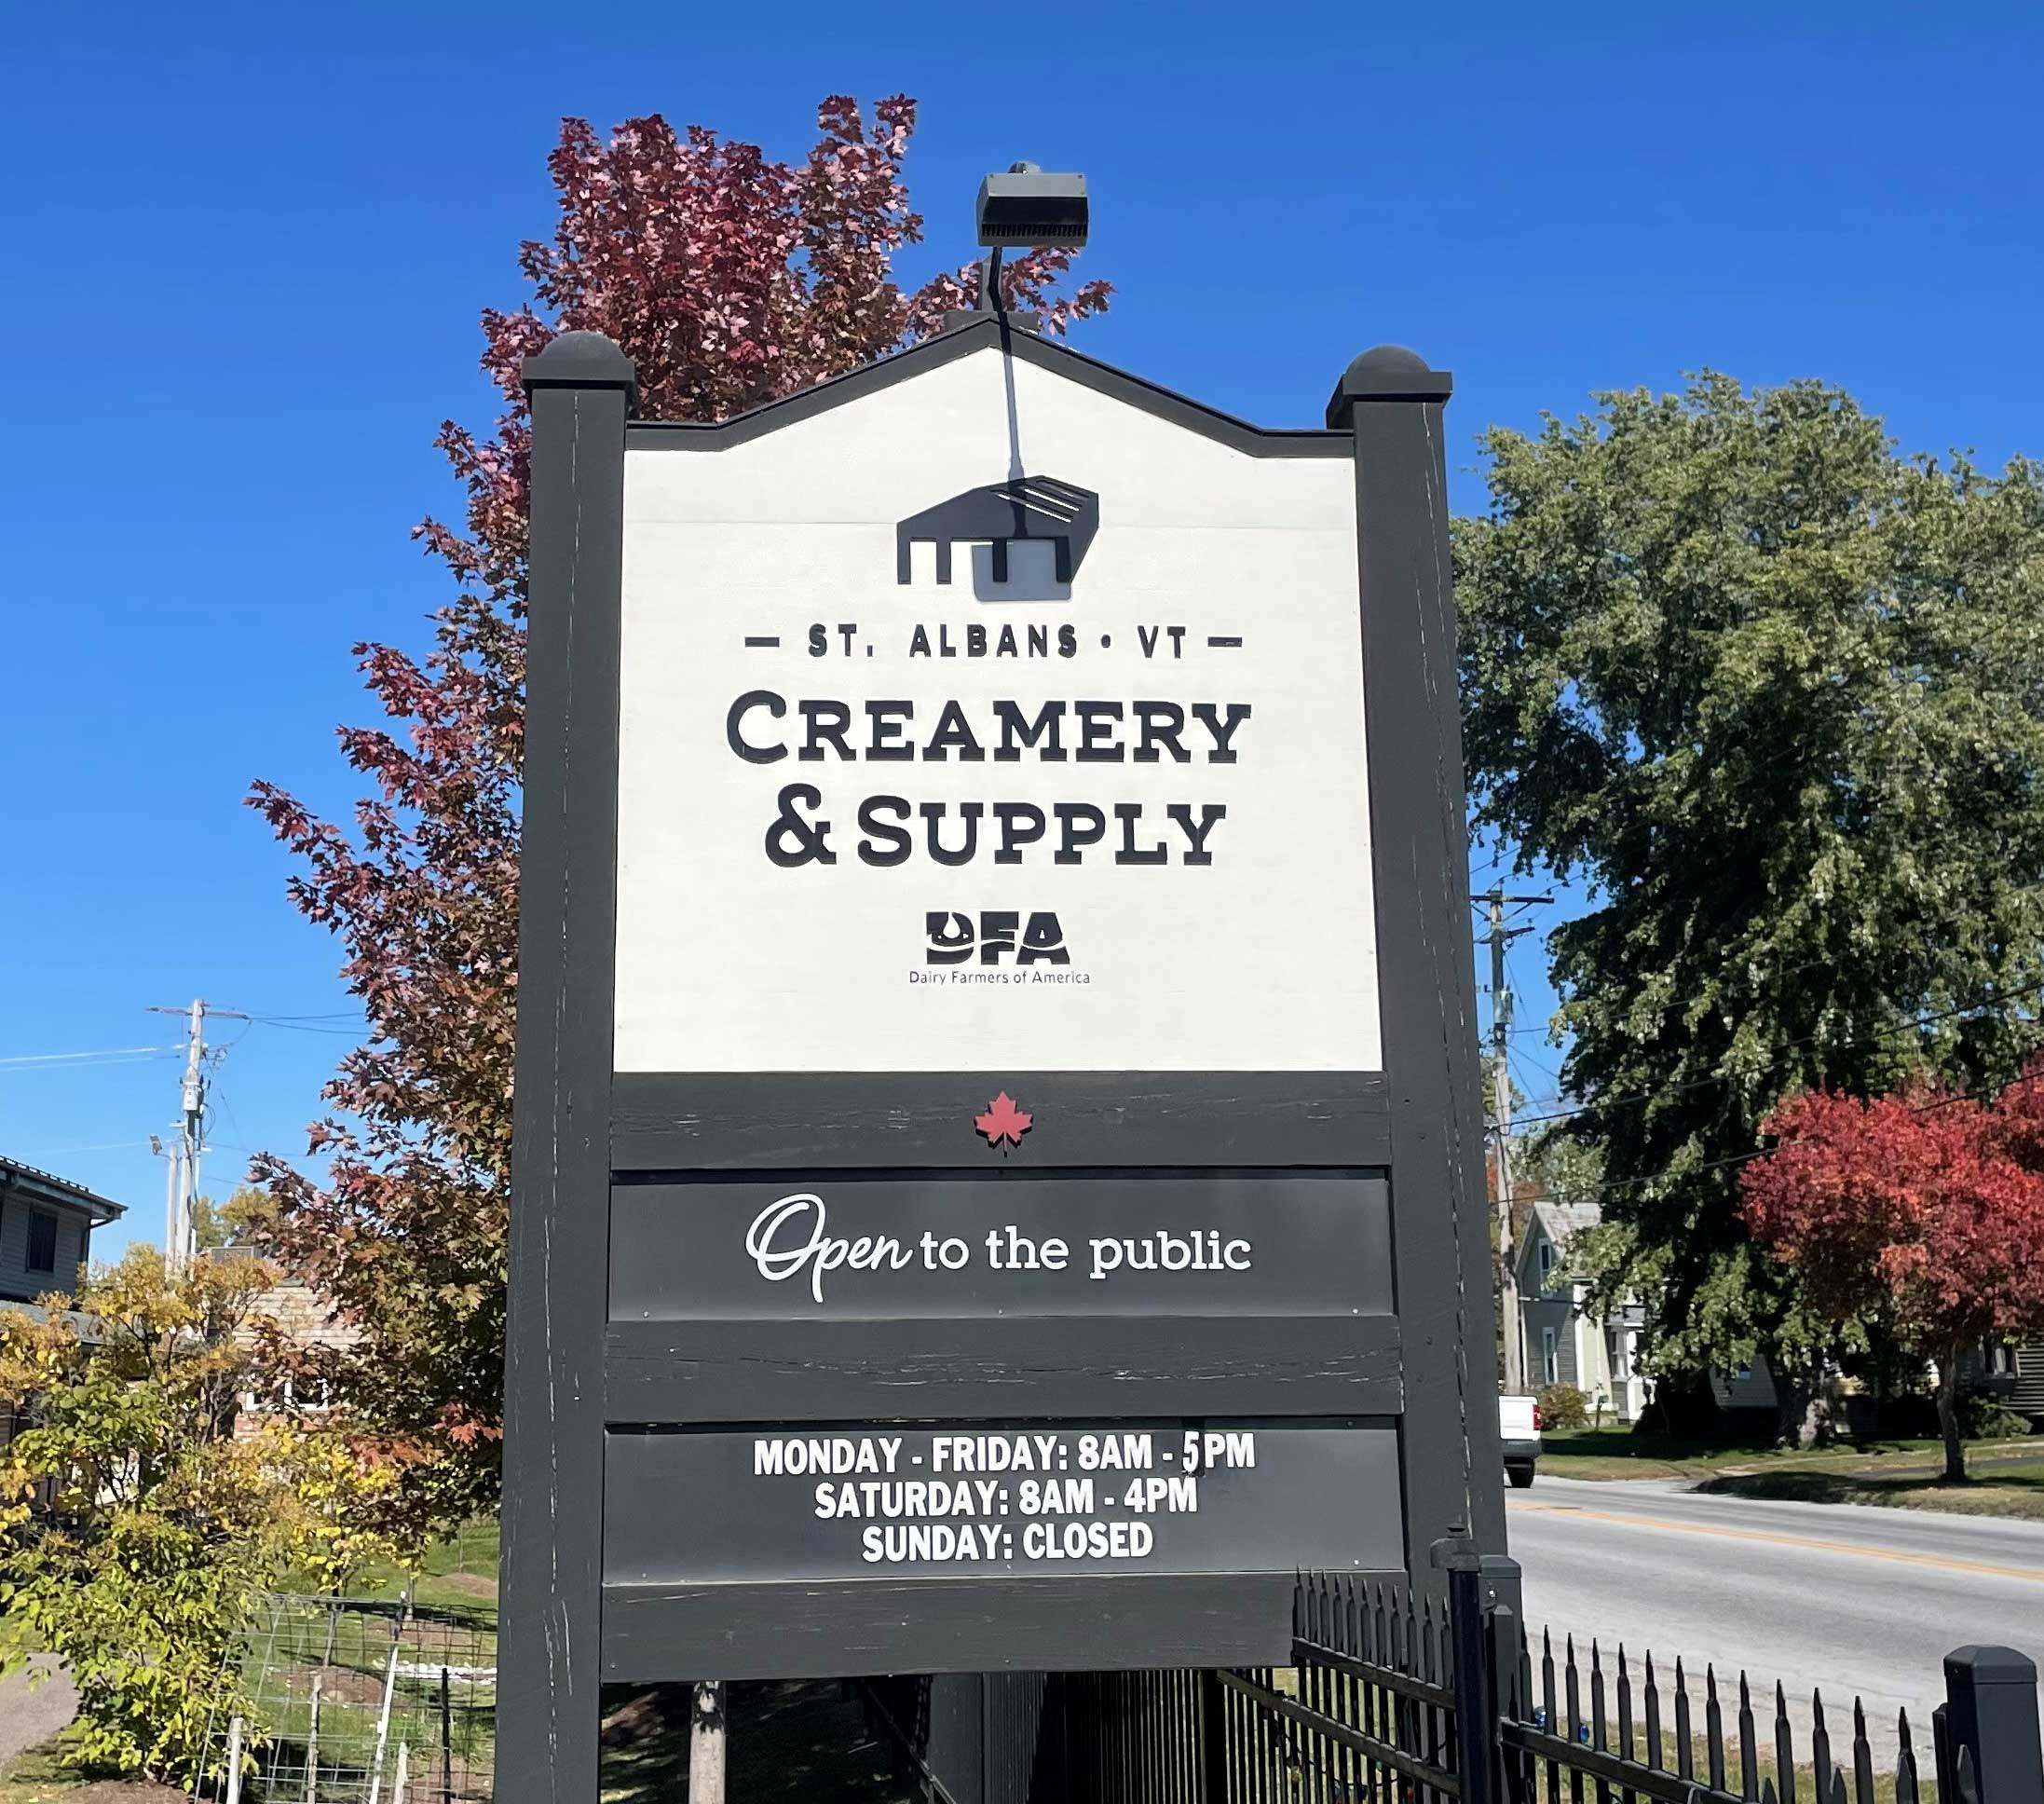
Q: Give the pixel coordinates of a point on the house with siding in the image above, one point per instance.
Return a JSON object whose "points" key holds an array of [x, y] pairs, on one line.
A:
{"points": [[2026, 1381], [304, 1317], [1565, 1339], [45, 1231], [2011, 1372], [45, 1241]]}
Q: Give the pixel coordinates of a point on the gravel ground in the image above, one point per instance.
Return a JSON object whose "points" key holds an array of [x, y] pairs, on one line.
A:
{"points": [[33, 1714]]}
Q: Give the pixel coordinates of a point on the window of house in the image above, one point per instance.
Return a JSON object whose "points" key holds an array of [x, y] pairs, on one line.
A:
{"points": [[1614, 1351], [1546, 1257], [1551, 1358], [42, 1242]]}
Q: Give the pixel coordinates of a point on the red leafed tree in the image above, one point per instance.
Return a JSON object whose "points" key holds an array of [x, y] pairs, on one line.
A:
{"points": [[1922, 1212], [730, 279]]}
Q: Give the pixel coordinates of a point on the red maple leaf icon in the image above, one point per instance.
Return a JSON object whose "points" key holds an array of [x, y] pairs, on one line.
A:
{"points": [[1003, 1121]]}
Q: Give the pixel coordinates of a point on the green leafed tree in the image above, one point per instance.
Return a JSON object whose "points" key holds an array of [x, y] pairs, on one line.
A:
{"points": [[235, 1222], [141, 1515], [1774, 692]]}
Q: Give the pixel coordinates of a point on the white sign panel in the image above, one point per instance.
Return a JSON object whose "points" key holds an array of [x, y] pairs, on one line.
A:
{"points": [[1097, 802]]}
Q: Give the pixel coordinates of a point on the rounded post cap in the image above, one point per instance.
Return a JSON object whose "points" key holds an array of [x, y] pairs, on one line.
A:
{"points": [[581, 360], [1386, 372], [1388, 356]]}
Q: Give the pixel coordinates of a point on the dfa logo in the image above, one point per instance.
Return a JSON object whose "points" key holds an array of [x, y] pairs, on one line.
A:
{"points": [[954, 937]]}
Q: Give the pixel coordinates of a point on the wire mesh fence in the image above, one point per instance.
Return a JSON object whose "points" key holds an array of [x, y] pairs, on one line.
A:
{"points": [[359, 1701]]}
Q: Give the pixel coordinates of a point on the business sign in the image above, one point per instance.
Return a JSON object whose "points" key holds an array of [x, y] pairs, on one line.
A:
{"points": [[998, 1168], [883, 806]]}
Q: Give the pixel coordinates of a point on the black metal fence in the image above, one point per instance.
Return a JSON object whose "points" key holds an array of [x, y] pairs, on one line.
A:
{"points": [[1392, 1701]]}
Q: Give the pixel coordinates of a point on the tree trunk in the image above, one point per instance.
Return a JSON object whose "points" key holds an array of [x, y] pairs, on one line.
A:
{"points": [[1802, 1408], [1948, 1416], [1682, 1406]]}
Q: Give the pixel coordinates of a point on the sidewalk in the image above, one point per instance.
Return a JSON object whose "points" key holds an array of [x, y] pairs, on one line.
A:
{"points": [[29, 1716]]}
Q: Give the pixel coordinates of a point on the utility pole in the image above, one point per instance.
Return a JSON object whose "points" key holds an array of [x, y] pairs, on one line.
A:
{"points": [[1498, 936], [188, 1136]]}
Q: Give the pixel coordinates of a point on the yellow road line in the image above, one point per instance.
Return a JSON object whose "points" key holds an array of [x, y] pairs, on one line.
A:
{"points": [[1983, 1569]]}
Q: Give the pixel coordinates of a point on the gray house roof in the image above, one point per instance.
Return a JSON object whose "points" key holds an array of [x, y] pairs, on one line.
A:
{"points": [[1554, 1221], [34, 1186]]}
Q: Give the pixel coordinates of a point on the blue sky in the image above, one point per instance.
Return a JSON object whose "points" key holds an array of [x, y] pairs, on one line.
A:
{"points": [[248, 245]]}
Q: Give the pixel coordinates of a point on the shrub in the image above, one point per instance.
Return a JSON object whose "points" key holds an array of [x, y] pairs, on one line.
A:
{"points": [[1985, 1418], [1564, 1406], [136, 1530]]}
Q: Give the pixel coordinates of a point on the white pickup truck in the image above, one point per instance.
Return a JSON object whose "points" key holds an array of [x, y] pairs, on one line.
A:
{"points": [[1518, 1425]]}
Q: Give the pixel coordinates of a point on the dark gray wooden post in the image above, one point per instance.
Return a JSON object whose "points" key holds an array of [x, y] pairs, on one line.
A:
{"points": [[1469, 1654], [549, 1666], [1991, 1714], [1451, 1459]]}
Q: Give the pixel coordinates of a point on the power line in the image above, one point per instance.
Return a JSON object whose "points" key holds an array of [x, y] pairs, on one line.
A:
{"points": [[99, 1146], [121, 1054], [304, 1027]]}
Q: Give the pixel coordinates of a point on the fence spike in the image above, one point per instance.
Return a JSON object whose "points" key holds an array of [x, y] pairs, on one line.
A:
{"points": [[1625, 1705], [1749, 1751], [1652, 1716], [1685, 1748], [1785, 1747], [1966, 1780], [1906, 1762], [1820, 1745], [1863, 1755], [1713, 1728], [1572, 1684], [1599, 1738]]}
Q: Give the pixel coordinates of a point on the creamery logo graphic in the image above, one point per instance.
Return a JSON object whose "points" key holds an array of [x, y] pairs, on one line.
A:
{"points": [[1031, 509]]}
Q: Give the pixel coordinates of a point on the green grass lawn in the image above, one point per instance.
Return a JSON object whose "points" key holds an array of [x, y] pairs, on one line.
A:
{"points": [[458, 1574], [2006, 1477]]}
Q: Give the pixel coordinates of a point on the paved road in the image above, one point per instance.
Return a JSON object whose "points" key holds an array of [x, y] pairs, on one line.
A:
{"points": [[1849, 1599]]}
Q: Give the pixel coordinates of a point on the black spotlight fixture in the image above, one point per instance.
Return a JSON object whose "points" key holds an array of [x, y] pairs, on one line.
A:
{"points": [[1027, 208]]}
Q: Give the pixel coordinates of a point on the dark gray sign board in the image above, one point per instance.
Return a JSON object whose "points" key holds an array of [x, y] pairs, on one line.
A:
{"points": [[862, 1501], [640, 1538], [968, 1245]]}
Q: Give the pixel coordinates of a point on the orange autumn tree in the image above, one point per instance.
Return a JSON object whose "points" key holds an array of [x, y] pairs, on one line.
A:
{"points": [[1921, 1214]]}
